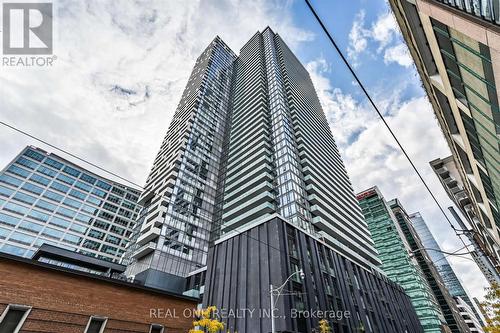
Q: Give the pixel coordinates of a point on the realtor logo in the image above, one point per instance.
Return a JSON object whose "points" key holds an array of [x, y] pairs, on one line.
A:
{"points": [[27, 28]]}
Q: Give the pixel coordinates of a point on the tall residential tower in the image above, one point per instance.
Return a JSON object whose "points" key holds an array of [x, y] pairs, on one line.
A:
{"points": [[249, 171]]}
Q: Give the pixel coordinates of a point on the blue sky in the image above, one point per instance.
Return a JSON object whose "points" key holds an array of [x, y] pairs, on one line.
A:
{"points": [[147, 49]]}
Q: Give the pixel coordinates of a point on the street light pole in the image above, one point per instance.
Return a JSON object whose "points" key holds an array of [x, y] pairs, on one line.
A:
{"points": [[278, 291]]}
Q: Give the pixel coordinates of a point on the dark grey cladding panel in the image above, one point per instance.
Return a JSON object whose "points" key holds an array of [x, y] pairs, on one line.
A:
{"points": [[240, 270]]}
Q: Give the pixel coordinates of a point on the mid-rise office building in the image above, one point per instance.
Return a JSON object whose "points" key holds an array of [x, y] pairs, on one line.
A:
{"points": [[456, 48], [445, 300], [46, 199], [397, 262], [444, 268], [449, 176], [250, 162]]}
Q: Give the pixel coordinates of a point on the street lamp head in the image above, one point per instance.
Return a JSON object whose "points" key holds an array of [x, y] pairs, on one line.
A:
{"points": [[302, 275]]}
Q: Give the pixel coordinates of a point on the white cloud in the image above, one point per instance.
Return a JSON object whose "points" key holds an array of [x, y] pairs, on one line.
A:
{"points": [[373, 158], [358, 37], [120, 73], [384, 30], [382, 36], [398, 54]]}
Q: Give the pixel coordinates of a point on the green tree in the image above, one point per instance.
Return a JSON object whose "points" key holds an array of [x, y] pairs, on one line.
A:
{"points": [[491, 308]]}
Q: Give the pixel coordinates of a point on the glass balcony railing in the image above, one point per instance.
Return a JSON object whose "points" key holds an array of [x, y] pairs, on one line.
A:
{"points": [[488, 10]]}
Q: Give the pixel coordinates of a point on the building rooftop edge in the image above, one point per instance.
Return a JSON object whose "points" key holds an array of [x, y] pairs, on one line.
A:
{"points": [[67, 271]]}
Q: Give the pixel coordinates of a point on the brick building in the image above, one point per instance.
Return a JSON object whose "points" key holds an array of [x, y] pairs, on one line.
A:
{"points": [[37, 297]]}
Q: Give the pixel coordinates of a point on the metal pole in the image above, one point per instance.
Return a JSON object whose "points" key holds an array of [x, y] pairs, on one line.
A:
{"points": [[273, 330]]}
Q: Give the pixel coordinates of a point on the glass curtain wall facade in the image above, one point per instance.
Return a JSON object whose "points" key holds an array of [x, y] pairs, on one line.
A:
{"points": [[45, 199], [448, 306], [173, 230], [449, 277], [397, 264]]}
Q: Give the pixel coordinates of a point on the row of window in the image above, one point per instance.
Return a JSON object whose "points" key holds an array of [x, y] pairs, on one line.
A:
{"points": [[14, 316], [69, 171]]}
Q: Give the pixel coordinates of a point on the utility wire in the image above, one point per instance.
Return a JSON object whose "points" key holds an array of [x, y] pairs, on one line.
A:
{"points": [[67, 152], [346, 62]]}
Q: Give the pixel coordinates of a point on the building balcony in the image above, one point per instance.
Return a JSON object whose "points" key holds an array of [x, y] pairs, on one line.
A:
{"points": [[144, 250], [149, 235]]}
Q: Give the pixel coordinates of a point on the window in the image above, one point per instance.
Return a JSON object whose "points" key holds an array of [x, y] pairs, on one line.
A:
{"points": [[39, 216], [14, 250], [72, 203], [83, 186], [89, 209], [9, 220], [34, 155], [78, 194], [40, 179], [72, 239], [18, 171], [53, 233], [155, 328], [91, 244], [46, 205], [71, 171], [21, 238], [53, 196], [27, 163], [31, 227], [10, 206], [103, 185], [66, 212], [6, 192], [66, 179], [96, 234], [59, 222], [96, 325], [47, 171], [97, 192], [10, 180], [53, 163], [110, 207], [19, 196], [32, 188], [13, 317], [88, 179], [78, 228], [118, 191], [94, 200]]}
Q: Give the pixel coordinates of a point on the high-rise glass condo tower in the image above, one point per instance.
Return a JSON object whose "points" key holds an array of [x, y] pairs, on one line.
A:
{"points": [[172, 233], [456, 48], [449, 277], [46, 199], [250, 159], [445, 300], [397, 261]]}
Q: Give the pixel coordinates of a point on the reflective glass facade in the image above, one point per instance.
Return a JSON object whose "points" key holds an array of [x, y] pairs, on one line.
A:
{"points": [[46, 199], [396, 261], [449, 277], [173, 230], [445, 301]]}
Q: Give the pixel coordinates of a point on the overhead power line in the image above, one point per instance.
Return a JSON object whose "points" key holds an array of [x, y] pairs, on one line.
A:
{"points": [[381, 116], [68, 153]]}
